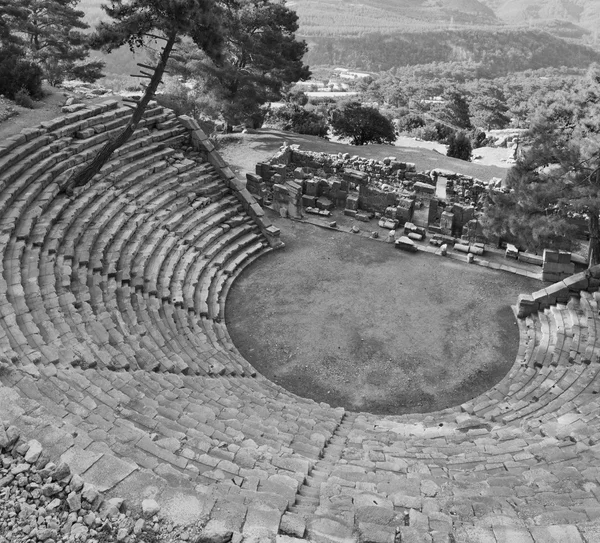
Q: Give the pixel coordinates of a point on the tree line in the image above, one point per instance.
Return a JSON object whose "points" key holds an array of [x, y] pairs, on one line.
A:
{"points": [[42, 39], [500, 52]]}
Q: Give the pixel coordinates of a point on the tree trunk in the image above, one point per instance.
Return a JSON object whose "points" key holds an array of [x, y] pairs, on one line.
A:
{"points": [[594, 243], [86, 175]]}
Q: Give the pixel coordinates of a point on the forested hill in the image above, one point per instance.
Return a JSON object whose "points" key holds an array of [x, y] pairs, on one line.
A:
{"points": [[347, 17], [583, 13], [376, 35], [500, 51]]}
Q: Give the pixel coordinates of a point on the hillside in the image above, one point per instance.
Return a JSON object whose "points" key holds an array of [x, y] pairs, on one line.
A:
{"points": [[376, 35], [342, 17], [584, 13], [501, 51]]}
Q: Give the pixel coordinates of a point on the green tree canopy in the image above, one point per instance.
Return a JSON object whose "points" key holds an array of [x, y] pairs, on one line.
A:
{"points": [[362, 124], [558, 176]]}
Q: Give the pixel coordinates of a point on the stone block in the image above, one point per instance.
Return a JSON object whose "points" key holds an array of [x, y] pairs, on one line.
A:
{"points": [[390, 224], [556, 267], [324, 203], [550, 256], [309, 201], [292, 524], [374, 533], [556, 534], [256, 211], [328, 530], [577, 282], [526, 305], [356, 176], [511, 251], [530, 258], [564, 257], [311, 187], [246, 198], [551, 277], [216, 160], [352, 202], [594, 271], [189, 123], [261, 169], [253, 179], [512, 534], [424, 188], [273, 231], [406, 244]]}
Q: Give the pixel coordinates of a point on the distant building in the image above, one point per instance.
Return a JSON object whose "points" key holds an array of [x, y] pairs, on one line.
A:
{"points": [[345, 73]]}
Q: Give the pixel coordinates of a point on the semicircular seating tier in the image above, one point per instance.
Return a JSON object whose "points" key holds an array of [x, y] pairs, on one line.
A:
{"points": [[116, 357]]}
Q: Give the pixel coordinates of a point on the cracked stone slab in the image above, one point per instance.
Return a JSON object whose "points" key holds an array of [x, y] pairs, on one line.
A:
{"points": [[80, 460], [107, 472]]}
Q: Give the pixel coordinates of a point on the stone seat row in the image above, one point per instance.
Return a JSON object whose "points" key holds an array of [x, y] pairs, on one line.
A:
{"points": [[132, 274], [557, 362], [10, 270], [463, 479], [252, 500], [54, 155], [196, 429], [79, 260]]}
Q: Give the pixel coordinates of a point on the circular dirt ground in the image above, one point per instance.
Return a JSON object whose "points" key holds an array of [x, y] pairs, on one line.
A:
{"points": [[359, 324]]}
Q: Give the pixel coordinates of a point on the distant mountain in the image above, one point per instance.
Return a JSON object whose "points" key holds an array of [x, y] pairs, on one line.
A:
{"points": [[583, 13], [497, 52], [346, 17], [374, 35]]}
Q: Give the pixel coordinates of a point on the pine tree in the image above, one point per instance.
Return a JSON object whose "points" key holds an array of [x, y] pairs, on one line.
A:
{"points": [[455, 110], [11, 16], [261, 57], [17, 74], [53, 31], [459, 146], [558, 177], [139, 23]]}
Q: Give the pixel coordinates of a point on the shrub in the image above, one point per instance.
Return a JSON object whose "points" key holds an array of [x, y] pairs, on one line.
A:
{"points": [[459, 146], [426, 133], [23, 99], [17, 74], [295, 118], [410, 122]]}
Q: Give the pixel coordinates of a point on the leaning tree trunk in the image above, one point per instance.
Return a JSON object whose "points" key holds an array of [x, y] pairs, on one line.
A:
{"points": [[594, 243], [86, 175]]}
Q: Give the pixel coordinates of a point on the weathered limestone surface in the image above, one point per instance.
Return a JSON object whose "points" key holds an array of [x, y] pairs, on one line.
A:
{"points": [[116, 362]]}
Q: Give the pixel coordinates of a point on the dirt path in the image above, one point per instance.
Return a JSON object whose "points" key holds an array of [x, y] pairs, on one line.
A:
{"points": [[359, 324], [46, 109]]}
